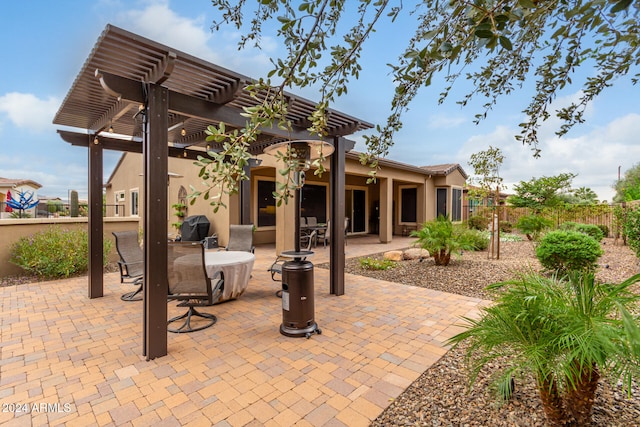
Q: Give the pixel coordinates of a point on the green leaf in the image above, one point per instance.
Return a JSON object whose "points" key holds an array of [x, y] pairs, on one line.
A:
{"points": [[484, 34], [528, 4], [505, 43], [620, 6]]}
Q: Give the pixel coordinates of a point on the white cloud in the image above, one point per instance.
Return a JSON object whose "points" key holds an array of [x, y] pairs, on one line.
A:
{"points": [[594, 156], [445, 121], [27, 111], [157, 21]]}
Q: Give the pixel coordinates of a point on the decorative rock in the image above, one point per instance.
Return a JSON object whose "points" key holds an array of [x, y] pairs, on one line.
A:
{"points": [[393, 255], [416, 253]]}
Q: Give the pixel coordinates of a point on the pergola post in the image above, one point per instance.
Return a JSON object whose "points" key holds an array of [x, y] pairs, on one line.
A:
{"points": [[95, 224], [386, 210], [155, 155], [336, 236], [245, 194]]}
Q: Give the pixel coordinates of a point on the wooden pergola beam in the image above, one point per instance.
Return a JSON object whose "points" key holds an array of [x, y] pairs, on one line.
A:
{"points": [[132, 146], [190, 106]]}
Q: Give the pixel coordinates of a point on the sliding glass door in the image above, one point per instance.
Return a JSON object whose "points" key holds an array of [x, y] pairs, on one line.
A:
{"points": [[356, 210]]}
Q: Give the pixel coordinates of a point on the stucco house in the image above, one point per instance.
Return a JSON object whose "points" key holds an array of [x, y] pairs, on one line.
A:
{"points": [[403, 196]]}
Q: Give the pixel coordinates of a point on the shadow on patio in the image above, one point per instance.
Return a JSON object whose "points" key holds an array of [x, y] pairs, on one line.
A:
{"points": [[69, 360]]}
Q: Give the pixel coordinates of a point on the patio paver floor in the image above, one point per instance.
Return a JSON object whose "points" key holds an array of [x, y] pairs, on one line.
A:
{"points": [[72, 361]]}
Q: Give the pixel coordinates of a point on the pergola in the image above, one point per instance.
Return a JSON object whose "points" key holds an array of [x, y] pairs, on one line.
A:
{"points": [[158, 101]]}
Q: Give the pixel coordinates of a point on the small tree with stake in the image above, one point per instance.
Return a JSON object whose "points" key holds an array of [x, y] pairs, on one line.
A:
{"points": [[486, 165]]}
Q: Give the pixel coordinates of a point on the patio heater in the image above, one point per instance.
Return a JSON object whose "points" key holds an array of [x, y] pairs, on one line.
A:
{"points": [[298, 318]]}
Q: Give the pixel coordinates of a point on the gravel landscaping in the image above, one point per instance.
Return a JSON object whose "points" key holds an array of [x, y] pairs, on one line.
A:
{"points": [[441, 396]]}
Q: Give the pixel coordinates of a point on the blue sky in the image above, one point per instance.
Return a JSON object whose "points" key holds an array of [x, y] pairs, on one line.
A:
{"points": [[45, 43]]}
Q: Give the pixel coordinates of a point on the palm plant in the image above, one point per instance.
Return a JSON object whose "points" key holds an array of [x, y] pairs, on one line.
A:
{"points": [[442, 238], [567, 332]]}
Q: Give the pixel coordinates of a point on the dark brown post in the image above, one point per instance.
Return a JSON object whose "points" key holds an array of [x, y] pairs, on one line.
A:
{"points": [[155, 154], [95, 225], [336, 246], [245, 195]]}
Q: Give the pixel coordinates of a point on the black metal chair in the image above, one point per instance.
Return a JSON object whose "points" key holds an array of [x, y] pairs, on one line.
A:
{"points": [[131, 262], [189, 283], [241, 238]]}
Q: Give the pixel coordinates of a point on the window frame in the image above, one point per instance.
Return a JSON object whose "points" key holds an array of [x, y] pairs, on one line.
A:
{"points": [[256, 209], [446, 201], [119, 197], [401, 189], [458, 202], [135, 211], [326, 198]]}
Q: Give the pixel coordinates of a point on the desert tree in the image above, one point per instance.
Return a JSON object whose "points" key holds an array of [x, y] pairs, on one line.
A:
{"points": [[497, 45]]}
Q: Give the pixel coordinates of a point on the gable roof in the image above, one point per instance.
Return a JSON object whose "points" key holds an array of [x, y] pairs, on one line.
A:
{"points": [[11, 183], [437, 170], [445, 169]]}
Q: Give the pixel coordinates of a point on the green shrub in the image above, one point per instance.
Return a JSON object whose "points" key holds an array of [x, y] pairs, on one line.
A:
{"points": [[605, 229], [506, 227], [565, 251], [504, 237], [376, 264], [54, 253], [533, 225], [478, 222], [479, 239], [54, 206], [589, 229], [632, 229], [508, 237]]}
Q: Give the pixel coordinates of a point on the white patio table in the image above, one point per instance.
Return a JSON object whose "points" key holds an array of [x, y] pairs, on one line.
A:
{"points": [[236, 266]]}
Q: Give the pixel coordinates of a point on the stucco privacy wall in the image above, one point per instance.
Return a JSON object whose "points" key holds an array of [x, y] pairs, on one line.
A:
{"points": [[12, 230]]}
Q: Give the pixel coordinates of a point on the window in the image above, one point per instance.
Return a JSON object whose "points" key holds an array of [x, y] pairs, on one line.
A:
{"points": [[441, 202], [119, 203], [314, 202], [355, 208], [134, 202], [408, 204], [266, 203], [456, 204]]}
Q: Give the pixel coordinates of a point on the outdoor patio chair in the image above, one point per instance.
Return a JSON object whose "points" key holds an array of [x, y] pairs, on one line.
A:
{"points": [[241, 238], [309, 239], [312, 221], [189, 283], [325, 234], [276, 268], [131, 262]]}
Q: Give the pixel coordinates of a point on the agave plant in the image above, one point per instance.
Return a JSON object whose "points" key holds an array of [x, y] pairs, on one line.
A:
{"points": [[568, 332]]}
